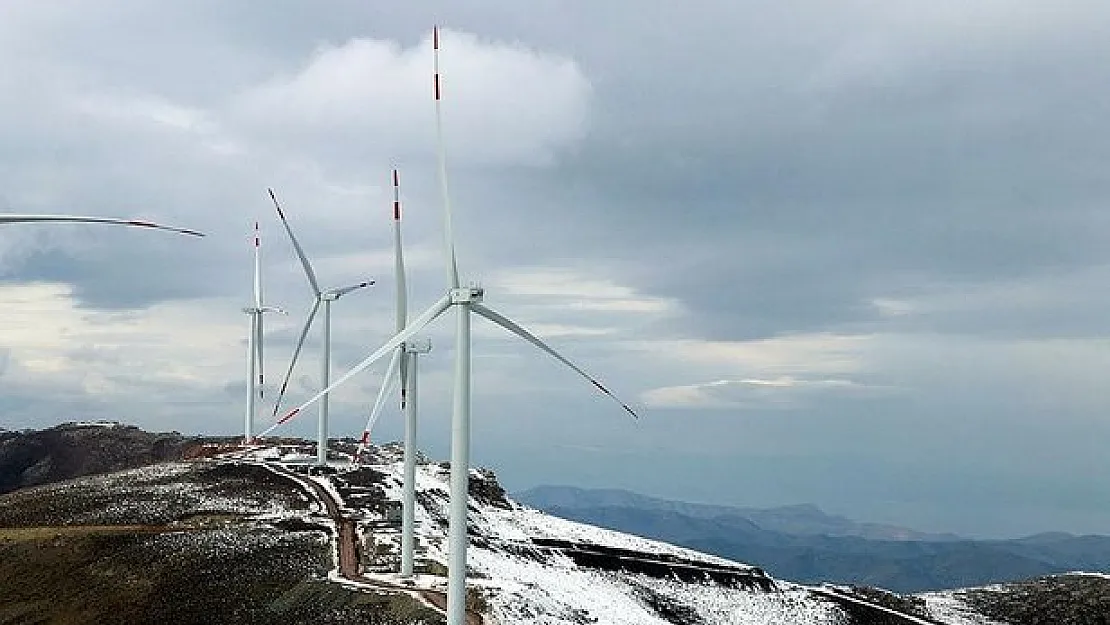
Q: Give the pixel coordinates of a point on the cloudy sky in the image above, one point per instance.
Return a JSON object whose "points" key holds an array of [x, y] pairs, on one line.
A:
{"points": [[851, 253]]}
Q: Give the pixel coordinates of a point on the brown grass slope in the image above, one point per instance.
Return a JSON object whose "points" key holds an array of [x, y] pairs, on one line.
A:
{"points": [[178, 543]]}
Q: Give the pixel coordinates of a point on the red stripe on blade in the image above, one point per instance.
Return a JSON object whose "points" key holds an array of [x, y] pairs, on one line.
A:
{"points": [[276, 205], [289, 416]]}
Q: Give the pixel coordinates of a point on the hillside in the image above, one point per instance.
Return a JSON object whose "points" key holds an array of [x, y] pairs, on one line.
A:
{"points": [[259, 538], [804, 544], [34, 457]]}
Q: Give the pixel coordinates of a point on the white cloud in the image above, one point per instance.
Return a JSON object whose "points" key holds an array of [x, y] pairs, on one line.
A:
{"points": [[503, 103], [794, 354], [561, 287], [779, 392], [889, 307], [552, 330], [145, 108], [783, 371], [53, 342]]}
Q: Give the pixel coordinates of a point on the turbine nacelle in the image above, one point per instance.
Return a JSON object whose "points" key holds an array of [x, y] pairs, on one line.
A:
{"points": [[331, 295], [472, 294], [254, 310], [421, 345]]}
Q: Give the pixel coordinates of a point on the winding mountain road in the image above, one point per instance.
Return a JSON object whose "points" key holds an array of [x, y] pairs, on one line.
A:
{"points": [[348, 550]]}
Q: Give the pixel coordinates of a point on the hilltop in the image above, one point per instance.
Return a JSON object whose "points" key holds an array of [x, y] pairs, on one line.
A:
{"points": [[76, 448], [256, 536]]}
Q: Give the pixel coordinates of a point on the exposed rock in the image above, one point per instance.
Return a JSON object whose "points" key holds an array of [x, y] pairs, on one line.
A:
{"points": [[483, 487]]}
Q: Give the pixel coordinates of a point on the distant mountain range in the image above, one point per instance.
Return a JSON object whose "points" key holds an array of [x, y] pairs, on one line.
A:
{"points": [[805, 544], [797, 520]]}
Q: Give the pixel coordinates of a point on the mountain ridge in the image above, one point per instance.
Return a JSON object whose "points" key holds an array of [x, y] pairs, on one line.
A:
{"points": [[797, 519], [900, 565]]}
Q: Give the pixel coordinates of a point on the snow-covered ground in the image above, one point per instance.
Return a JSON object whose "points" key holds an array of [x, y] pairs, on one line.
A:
{"points": [[524, 583], [946, 606], [556, 591], [533, 568], [157, 493]]}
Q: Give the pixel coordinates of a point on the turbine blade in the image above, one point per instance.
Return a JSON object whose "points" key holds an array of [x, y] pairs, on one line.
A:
{"points": [[441, 156], [399, 272], [393, 343], [399, 257], [296, 354], [404, 377], [257, 267], [338, 293], [138, 223], [258, 355], [297, 247], [388, 383], [252, 355], [506, 323]]}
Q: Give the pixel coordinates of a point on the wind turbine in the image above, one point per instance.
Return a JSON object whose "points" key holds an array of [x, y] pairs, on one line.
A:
{"points": [[466, 300], [320, 297], [402, 370], [254, 342]]}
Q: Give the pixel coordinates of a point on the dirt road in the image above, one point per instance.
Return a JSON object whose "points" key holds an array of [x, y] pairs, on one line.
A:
{"points": [[349, 550]]}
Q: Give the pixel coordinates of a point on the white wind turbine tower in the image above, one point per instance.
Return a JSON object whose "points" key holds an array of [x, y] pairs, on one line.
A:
{"points": [[255, 378], [402, 370], [467, 300], [319, 297]]}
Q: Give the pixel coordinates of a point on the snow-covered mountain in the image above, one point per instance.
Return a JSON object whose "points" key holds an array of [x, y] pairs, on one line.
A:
{"points": [[260, 536], [531, 567]]}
